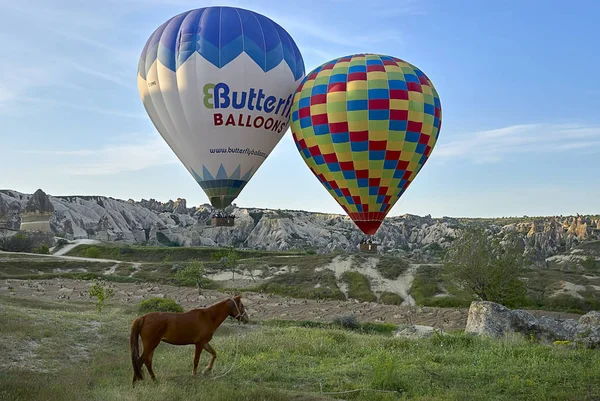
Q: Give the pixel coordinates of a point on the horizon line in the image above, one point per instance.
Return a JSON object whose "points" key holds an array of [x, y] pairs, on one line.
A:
{"points": [[315, 212]]}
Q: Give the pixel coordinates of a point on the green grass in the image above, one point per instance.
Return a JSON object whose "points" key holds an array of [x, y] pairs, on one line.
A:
{"points": [[135, 253], [125, 269], [86, 357], [541, 285], [24, 268], [4, 255], [164, 273], [293, 261], [303, 283], [391, 267], [426, 284], [381, 328], [358, 286]]}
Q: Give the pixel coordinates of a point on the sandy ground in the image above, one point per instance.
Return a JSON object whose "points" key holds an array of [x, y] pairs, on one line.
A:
{"points": [[260, 306]]}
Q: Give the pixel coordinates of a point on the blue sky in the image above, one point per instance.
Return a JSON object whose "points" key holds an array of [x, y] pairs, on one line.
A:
{"points": [[518, 81]]}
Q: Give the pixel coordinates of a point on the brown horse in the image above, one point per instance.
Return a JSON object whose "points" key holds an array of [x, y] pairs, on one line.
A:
{"points": [[196, 326]]}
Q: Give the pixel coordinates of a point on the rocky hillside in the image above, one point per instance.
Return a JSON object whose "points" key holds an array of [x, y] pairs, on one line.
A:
{"points": [[173, 223]]}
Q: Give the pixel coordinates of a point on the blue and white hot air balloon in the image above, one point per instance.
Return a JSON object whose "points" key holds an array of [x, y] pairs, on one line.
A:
{"points": [[218, 84]]}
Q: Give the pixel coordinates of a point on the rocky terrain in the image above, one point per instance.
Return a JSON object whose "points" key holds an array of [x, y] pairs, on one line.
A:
{"points": [[260, 306], [173, 223]]}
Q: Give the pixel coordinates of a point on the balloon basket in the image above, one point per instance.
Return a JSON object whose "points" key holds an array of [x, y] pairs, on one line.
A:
{"points": [[368, 248], [223, 221]]}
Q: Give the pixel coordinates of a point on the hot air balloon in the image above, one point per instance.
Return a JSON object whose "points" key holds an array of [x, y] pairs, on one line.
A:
{"points": [[218, 83], [365, 125]]}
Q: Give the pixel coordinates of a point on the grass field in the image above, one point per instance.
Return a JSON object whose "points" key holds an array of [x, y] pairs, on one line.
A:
{"points": [[58, 351], [541, 285], [160, 254], [36, 268]]}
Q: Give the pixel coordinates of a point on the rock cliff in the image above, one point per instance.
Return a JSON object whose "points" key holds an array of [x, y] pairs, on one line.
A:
{"points": [[154, 223]]}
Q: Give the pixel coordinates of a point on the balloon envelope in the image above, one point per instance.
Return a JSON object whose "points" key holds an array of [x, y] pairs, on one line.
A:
{"points": [[217, 83], [365, 125]]}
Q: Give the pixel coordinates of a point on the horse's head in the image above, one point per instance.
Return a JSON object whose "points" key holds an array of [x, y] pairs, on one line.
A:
{"points": [[237, 310]]}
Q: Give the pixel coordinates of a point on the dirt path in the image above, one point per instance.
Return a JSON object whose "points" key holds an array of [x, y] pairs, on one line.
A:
{"points": [[64, 250], [260, 306]]}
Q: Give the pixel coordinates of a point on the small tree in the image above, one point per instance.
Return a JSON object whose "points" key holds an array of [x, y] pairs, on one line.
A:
{"points": [[486, 267], [97, 290], [228, 258], [193, 273]]}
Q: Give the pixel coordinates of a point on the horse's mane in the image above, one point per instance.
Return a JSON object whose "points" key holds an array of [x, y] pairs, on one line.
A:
{"points": [[222, 301]]}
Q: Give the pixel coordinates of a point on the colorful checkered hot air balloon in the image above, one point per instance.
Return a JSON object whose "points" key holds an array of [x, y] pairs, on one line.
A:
{"points": [[365, 125]]}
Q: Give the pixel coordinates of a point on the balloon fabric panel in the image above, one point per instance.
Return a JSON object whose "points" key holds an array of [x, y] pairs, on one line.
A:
{"points": [[365, 125]]}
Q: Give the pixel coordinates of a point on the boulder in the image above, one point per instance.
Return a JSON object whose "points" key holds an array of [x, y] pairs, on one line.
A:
{"points": [[591, 318], [491, 319], [416, 331]]}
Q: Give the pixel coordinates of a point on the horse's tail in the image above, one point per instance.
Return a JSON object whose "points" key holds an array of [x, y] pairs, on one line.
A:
{"points": [[136, 327]]}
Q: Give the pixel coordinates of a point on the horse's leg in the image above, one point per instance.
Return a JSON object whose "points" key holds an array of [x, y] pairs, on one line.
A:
{"points": [[213, 354], [149, 346], [148, 363], [197, 357]]}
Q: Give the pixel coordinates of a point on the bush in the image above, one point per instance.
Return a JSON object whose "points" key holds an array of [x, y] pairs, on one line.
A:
{"points": [[92, 252], [43, 249], [391, 267], [159, 305], [347, 322], [381, 328], [390, 298]]}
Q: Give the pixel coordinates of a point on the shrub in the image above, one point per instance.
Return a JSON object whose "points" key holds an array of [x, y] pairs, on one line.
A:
{"points": [[391, 267], [97, 290], [92, 252], [381, 328], [390, 298], [43, 249], [347, 322], [159, 305]]}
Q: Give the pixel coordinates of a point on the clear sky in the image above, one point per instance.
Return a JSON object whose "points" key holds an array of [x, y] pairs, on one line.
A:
{"points": [[518, 80]]}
